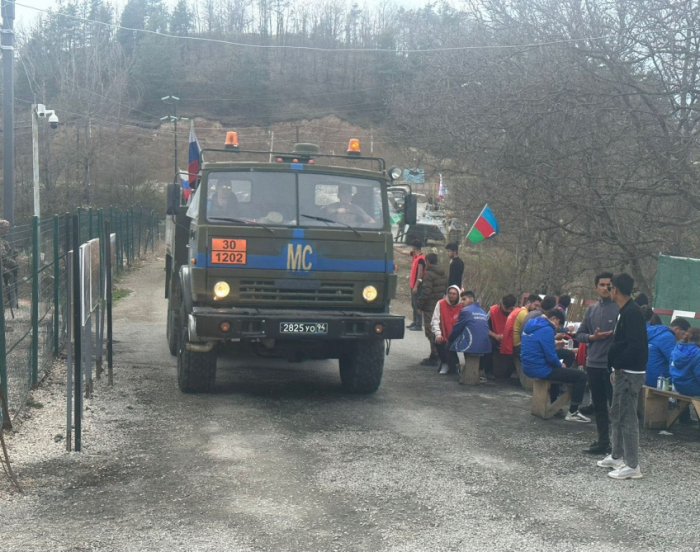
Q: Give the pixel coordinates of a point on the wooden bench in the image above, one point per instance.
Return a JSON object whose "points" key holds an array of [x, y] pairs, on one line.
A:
{"points": [[541, 407], [656, 412]]}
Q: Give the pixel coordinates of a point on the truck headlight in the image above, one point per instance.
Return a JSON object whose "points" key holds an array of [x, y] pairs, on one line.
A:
{"points": [[221, 290], [369, 294]]}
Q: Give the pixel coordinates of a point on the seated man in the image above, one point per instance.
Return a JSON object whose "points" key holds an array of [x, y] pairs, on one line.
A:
{"points": [[224, 203], [444, 317], [538, 356], [470, 335], [345, 211]]}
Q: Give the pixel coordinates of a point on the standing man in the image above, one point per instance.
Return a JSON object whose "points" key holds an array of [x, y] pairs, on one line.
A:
{"points": [[627, 357], [415, 280], [456, 265], [596, 331], [432, 290], [444, 317]]}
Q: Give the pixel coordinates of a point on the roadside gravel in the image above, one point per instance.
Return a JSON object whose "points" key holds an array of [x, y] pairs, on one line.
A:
{"points": [[277, 458]]}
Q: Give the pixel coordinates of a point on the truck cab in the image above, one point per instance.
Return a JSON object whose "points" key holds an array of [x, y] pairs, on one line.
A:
{"points": [[285, 255]]}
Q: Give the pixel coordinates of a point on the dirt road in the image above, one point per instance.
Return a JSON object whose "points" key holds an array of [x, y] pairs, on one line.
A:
{"points": [[278, 459]]}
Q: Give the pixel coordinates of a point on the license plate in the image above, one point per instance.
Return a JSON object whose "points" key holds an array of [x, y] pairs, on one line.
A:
{"points": [[303, 327]]}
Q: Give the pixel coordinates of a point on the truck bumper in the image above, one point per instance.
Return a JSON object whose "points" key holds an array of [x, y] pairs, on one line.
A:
{"points": [[207, 323]]}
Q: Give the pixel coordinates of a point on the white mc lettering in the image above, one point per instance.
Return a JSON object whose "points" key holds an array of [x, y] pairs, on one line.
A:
{"points": [[296, 257]]}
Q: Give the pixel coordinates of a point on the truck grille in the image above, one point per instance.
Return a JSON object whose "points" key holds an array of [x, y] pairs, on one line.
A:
{"points": [[298, 291]]}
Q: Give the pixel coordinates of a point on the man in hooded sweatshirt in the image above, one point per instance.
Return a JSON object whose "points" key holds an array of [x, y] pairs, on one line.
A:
{"points": [[661, 341], [685, 365], [432, 290], [538, 356], [444, 317]]}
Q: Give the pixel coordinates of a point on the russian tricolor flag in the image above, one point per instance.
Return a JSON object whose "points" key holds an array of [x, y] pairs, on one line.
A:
{"points": [[193, 163], [485, 226]]}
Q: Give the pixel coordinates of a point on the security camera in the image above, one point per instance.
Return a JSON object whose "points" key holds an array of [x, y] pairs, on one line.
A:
{"points": [[53, 120], [41, 110]]}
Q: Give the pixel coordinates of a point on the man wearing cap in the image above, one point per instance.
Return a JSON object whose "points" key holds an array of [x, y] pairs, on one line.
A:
{"points": [[224, 202]]}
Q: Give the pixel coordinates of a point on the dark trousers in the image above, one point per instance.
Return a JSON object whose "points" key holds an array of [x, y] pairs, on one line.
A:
{"points": [[568, 375], [417, 318], [567, 356], [601, 396], [442, 352]]}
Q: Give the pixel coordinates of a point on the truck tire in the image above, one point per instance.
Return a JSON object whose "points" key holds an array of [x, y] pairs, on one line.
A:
{"points": [[362, 366], [172, 328], [196, 372]]}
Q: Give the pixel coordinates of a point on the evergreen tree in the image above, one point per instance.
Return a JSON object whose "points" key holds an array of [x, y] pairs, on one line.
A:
{"points": [[181, 19]]}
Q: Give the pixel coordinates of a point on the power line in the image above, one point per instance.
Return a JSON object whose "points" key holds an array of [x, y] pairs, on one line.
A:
{"points": [[317, 49]]}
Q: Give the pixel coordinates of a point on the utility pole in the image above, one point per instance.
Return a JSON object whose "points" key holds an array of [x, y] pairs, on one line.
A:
{"points": [[172, 100], [7, 44]]}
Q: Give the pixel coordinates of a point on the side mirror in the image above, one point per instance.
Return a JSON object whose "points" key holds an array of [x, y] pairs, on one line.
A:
{"points": [[410, 209], [174, 193]]}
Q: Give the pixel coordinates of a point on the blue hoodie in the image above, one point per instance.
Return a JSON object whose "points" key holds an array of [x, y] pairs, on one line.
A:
{"points": [[470, 334], [685, 369], [538, 354], [662, 341]]}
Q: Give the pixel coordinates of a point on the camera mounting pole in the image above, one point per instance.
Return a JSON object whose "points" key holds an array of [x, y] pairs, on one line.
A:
{"points": [[39, 110], [8, 106]]}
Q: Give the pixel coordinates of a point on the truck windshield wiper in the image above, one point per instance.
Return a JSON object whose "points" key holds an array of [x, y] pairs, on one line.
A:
{"points": [[329, 221], [227, 219]]}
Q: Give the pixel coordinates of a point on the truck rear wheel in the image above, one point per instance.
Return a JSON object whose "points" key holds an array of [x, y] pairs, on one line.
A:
{"points": [[172, 328], [362, 366], [196, 372]]}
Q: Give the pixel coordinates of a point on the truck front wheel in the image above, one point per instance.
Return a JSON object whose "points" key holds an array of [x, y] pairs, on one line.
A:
{"points": [[196, 372], [362, 366]]}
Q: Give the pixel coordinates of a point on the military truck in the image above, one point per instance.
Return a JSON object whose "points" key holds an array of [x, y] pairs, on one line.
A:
{"points": [[283, 255]]}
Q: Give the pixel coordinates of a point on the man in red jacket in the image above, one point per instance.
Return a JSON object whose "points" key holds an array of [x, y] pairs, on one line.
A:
{"points": [[444, 317], [498, 314]]}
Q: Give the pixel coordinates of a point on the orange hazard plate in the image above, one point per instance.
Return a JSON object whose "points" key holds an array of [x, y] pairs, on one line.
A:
{"points": [[227, 244], [228, 257]]}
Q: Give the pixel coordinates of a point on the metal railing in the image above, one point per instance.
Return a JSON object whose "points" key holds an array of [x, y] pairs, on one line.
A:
{"points": [[33, 304]]}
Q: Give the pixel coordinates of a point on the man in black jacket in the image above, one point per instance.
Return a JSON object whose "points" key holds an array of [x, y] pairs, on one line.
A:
{"points": [[627, 357]]}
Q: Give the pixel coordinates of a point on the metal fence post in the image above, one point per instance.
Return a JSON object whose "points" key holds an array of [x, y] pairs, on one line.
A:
{"points": [[56, 284], [108, 285], [140, 220], [77, 327], [35, 300], [6, 422]]}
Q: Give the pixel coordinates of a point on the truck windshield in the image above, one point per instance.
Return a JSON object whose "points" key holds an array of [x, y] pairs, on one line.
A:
{"points": [[289, 199]]}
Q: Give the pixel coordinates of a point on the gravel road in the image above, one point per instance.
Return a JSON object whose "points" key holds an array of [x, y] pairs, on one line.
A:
{"points": [[279, 459]]}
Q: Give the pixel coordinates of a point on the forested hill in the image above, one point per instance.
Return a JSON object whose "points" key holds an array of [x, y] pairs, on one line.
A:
{"points": [[578, 122]]}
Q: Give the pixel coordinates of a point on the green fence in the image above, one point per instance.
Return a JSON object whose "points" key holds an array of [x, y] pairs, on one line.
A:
{"points": [[33, 317]]}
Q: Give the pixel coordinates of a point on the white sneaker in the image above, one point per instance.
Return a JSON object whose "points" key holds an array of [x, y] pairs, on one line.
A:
{"points": [[444, 369], [625, 472], [610, 462], [577, 417]]}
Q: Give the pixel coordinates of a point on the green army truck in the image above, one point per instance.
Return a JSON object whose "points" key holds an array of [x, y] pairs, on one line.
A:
{"points": [[283, 255]]}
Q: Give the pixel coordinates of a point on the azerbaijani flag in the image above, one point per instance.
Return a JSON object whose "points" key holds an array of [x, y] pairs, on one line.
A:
{"points": [[485, 226], [193, 162]]}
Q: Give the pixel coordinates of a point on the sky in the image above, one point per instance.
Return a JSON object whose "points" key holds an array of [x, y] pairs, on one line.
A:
{"points": [[25, 16]]}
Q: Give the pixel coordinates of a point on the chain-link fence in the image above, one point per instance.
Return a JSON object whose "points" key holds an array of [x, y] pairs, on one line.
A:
{"points": [[33, 305]]}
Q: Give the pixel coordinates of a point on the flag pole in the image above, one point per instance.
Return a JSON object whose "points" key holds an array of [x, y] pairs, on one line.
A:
{"points": [[477, 220]]}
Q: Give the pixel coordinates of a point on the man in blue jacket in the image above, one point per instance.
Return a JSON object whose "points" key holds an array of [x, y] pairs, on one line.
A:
{"points": [[685, 365], [538, 356], [470, 335], [661, 341]]}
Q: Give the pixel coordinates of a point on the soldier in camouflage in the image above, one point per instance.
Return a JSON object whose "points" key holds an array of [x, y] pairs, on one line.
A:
{"points": [[9, 265]]}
